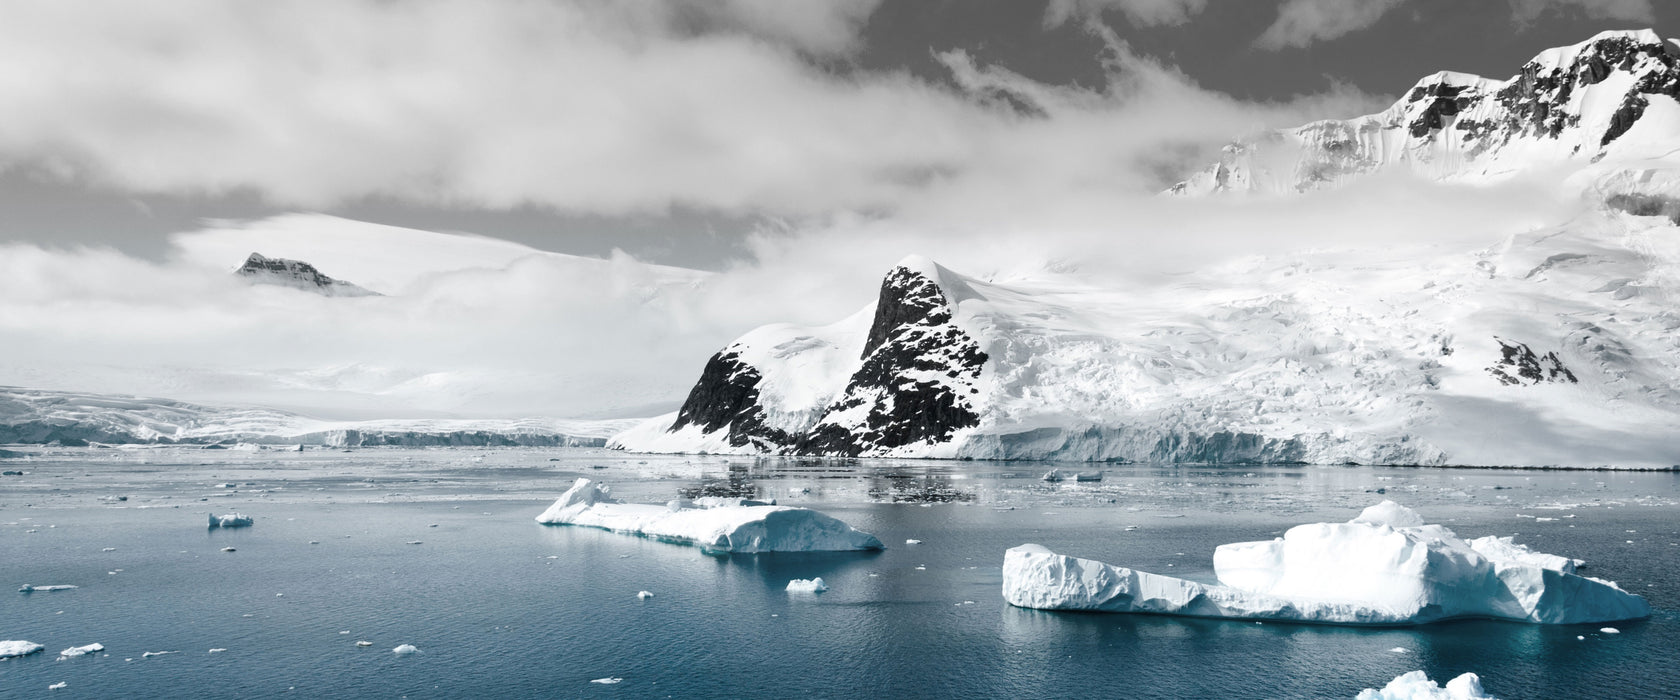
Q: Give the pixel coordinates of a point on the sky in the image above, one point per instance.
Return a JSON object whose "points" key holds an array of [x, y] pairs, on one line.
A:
{"points": [[671, 129], [645, 180]]}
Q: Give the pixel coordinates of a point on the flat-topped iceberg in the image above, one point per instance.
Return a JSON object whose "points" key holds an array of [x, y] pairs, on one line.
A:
{"points": [[18, 647], [716, 524], [1385, 567]]}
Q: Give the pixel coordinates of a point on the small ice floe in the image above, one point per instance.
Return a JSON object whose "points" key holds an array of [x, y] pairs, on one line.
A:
{"points": [[1088, 476], [1397, 650], [109, 549], [229, 549], [611, 680], [46, 589], [1054, 475], [230, 520], [912, 541], [58, 686], [150, 654], [807, 585], [364, 643], [1609, 630], [18, 647], [644, 595], [217, 650], [405, 650], [414, 542], [1417, 686], [82, 650], [921, 567]]}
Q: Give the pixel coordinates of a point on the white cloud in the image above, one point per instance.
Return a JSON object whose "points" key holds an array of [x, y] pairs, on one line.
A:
{"points": [[1302, 22], [1142, 13], [1526, 12]]}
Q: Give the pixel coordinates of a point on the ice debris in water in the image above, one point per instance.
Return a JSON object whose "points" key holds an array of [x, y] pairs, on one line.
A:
{"points": [[608, 681], [912, 541], [644, 595], [716, 524], [1609, 630], [44, 589], [807, 585], [364, 643], [150, 654], [58, 686], [1417, 686], [18, 647], [405, 649], [230, 520], [79, 651], [217, 650], [1384, 567]]}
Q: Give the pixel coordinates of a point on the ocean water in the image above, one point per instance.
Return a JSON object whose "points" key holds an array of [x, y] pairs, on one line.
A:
{"points": [[501, 606]]}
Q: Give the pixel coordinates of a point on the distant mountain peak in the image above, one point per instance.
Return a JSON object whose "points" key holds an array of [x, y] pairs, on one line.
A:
{"points": [[1573, 103], [297, 274]]}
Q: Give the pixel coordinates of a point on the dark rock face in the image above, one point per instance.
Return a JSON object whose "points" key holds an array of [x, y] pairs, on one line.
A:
{"points": [[1646, 205], [914, 386], [298, 274], [727, 397], [1519, 365]]}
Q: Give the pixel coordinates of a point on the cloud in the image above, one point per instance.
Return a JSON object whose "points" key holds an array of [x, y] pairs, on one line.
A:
{"points": [[1303, 22], [1527, 12], [1142, 13], [588, 107]]}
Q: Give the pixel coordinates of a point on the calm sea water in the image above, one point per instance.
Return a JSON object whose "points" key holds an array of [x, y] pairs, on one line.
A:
{"points": [[501, 606]]}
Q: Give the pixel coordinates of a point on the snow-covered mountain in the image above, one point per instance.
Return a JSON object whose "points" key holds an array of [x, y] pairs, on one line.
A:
{"points": [[1605, 106], [33, 416], [1557, 346], [297, 274]]}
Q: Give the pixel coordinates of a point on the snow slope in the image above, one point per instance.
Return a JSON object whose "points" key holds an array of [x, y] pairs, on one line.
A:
{"points": [[1385, 567], [1558, 346], [1599, 105], [715, 524], [35, 416]]}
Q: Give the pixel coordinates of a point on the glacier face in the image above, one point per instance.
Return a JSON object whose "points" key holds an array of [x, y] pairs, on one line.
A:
{"points": [[1597, 104], [36, 416], [1558, 346], [1385, 567]]}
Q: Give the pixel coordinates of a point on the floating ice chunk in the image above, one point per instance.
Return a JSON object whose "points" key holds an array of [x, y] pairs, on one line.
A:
{"points": [[405, 649], [1400, 650], [1609, 630], [364, 643], [229, 549], [217, 650], [46, 589], [608, 681], [18, 647], [58, 686], [79, 651], [109, 549], [1417, 686], [230, 520], [807, 585], [150, 654], [723, 525], [912, 541], [1363, 572], [644, 595]]}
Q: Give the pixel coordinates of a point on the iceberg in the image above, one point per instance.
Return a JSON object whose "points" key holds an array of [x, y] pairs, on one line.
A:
{"points": [[1417, 686], [18, 647], [44, 589], [80, 651], [231, 520], [807, 585], [714, 524], [405, 650], [1385, 567]]}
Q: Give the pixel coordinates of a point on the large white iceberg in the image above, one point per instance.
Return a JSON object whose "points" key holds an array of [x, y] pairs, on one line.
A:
{"points": [[1417, 686], [18, 647], [716, 524], [1385, 567]]}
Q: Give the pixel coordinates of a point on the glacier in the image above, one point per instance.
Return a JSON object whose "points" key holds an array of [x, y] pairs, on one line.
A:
{"points": [[723, 525], [1385, 567]]}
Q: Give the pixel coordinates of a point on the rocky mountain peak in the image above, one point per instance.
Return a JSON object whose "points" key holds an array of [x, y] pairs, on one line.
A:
{"points": [[297, 274]]}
